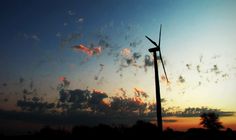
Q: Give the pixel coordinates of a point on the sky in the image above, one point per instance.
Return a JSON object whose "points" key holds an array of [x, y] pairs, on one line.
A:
{"points": [[55, 48]]}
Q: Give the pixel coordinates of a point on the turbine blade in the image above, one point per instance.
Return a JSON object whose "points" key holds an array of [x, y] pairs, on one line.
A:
{"points": [[160, 36], [163, 66], [153, 42]]}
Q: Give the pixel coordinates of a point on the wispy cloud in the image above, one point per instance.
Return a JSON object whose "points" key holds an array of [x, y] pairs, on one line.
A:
{"points": [[79, 20], [88, 51], [31, 37], [71, 13], [194, 112]]}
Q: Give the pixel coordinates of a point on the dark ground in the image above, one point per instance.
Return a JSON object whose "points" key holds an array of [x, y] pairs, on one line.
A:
{"points": [[139, 130]]}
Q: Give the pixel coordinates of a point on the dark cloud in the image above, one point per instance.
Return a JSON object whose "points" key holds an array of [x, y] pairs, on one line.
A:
{"points": [[163, 100], [119, 104], [83, 99], [28, 92], [123, 91], [64, 83], [198, 68], [181, 79], [99, 102], [96, 101], [140, 93], [195, 112], [35, 104], [188, 66], [215, 69], [205, 73], [97, 76], [136, 55], [135, 43], [148, 62], [129, 59]]}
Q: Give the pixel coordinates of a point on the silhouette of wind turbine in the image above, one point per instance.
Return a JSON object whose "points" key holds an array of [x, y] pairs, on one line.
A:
{"points": [[158, 96]]}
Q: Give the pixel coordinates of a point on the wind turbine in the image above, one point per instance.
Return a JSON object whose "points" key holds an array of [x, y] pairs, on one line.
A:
{"points": [[158, 96]]}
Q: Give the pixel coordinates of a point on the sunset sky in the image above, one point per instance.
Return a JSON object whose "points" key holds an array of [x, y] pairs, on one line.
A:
{"points": [[101, 45]]}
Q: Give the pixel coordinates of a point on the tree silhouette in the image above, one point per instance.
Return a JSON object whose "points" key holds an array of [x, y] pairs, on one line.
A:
{"points": [[211, 121]]}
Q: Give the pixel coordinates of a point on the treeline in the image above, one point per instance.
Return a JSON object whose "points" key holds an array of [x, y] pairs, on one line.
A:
{"points": [[140, 129]]}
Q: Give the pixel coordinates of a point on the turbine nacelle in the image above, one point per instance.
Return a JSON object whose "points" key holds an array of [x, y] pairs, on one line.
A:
{"points": [[154, 49]]}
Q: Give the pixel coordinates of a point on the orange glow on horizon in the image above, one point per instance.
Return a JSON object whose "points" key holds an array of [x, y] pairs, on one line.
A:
{"points": [[185, 123]]}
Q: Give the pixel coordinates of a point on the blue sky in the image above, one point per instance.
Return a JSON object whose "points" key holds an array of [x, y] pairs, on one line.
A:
{"points": [[199, 33]]}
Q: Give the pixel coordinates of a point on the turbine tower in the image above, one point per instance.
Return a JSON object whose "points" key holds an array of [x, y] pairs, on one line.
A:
{"points": [[158, 96]]}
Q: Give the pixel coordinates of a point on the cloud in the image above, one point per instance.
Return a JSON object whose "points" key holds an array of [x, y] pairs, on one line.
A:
{"points": [[64, 83], [29, 92], [79, 20], [65, 23], [215, 69], [131, 105], [126, 52], [84, 49], [34, 105], [35, 37], [76, 99], [97, 76], [88, 51], [194, 112], [198, 68], [135, 43], [83, 100], [58, 34], [148, 62], [181, 79], [128, 59], [140, 93], [96, 101], [123, 92], [189, 66], [207, 72], [97, 50], [136, 55], [31, 37], [71, 13]]}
